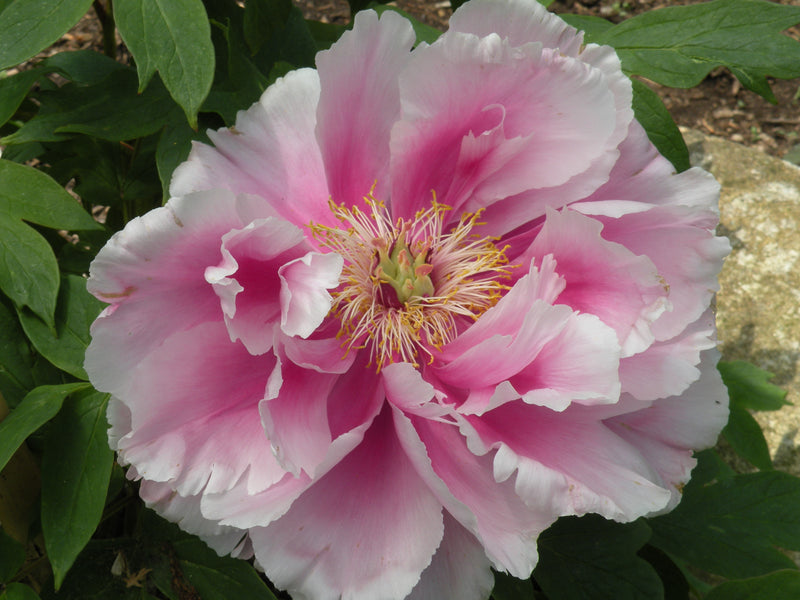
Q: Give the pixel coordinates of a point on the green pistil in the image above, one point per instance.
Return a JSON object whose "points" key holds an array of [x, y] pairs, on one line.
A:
{"points": [[409, 275]]}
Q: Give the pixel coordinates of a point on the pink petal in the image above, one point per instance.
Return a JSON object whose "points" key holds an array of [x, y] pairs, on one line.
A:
{"points": [[271, 152], [463, 482], [305, 300], [463, 89], [200, 391], [680, 241], [247, 279], [668, 368], [519, 21], [459, 568], [311, 409], [603, 278], [359, 103], [667, 432], [152, 273], [602, 474], [365, 530]]}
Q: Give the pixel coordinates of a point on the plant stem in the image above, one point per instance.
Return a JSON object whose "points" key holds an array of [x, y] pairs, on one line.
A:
{"points": [[106, 17]]}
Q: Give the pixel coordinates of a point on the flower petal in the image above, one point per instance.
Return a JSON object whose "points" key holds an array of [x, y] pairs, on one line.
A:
{"points": [[200, 391], [459, 570], [152, 274], [518, 21], [305, 300], [359, 103], [334, 543], [271, 152]]}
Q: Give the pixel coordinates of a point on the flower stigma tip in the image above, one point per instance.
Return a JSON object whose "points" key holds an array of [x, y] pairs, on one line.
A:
{"points": [[408, 284]]}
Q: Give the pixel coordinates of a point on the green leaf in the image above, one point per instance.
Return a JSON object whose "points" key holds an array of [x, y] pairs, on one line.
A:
{"points": [[590, 557], [744, 435], [12, 556], [781, 585], [36, 409], [13, 91], [75, 311], [15, 359], [507, 587], [83, 66], [28, 26], [591, 26], [28, 268], [325, 34], [172, 37], [173, 148], [731, 527], [18, 591], [191, 562], [661, 129], [749, 386], [111, 109], [425, 33], [264, 19], [76, 466], [678, 46]]}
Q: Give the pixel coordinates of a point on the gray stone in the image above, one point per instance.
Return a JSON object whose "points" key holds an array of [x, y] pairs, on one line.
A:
{"points": [[758, 305]]}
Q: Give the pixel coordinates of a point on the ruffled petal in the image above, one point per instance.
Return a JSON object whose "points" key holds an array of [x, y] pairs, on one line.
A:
{"points": [[200, 391], [603, 474], [359, 103], [667, 432], [152, 274], [271, 152], [480, 122], [464, 484], [365, 530], [603, 278], [518, 21], [247, 279], [305, 300], [459, 570]]}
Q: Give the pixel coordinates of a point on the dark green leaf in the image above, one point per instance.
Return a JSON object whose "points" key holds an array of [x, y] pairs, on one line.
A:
{"points": [[545, 3], [13, 91], [674, 582], [454, 4], [325, 34], [425, 33], [594, 558], [507, 587], [75, 311], [357, 5], [661, 129], [28, 269], [781, 585], [678, 46], [15, 359], [173, 148], [28, 26], [744, 435], [591, 26], [111, 109], [76, 467], [104, 570], [730, 527], [36, 409], [192, 563], [12, 555], [18, 591], [749, 386], [264, 19], [172, 37], [83, 66]]}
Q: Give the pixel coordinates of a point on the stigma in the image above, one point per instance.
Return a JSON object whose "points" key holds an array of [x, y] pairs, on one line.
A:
{"points": [[410, 285]]}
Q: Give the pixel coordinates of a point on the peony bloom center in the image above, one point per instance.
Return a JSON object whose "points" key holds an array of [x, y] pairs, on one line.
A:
{"points": [[410, 285]]}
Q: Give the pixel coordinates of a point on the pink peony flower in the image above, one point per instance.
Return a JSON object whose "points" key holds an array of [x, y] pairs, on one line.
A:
{"points": [[412, 308]]}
